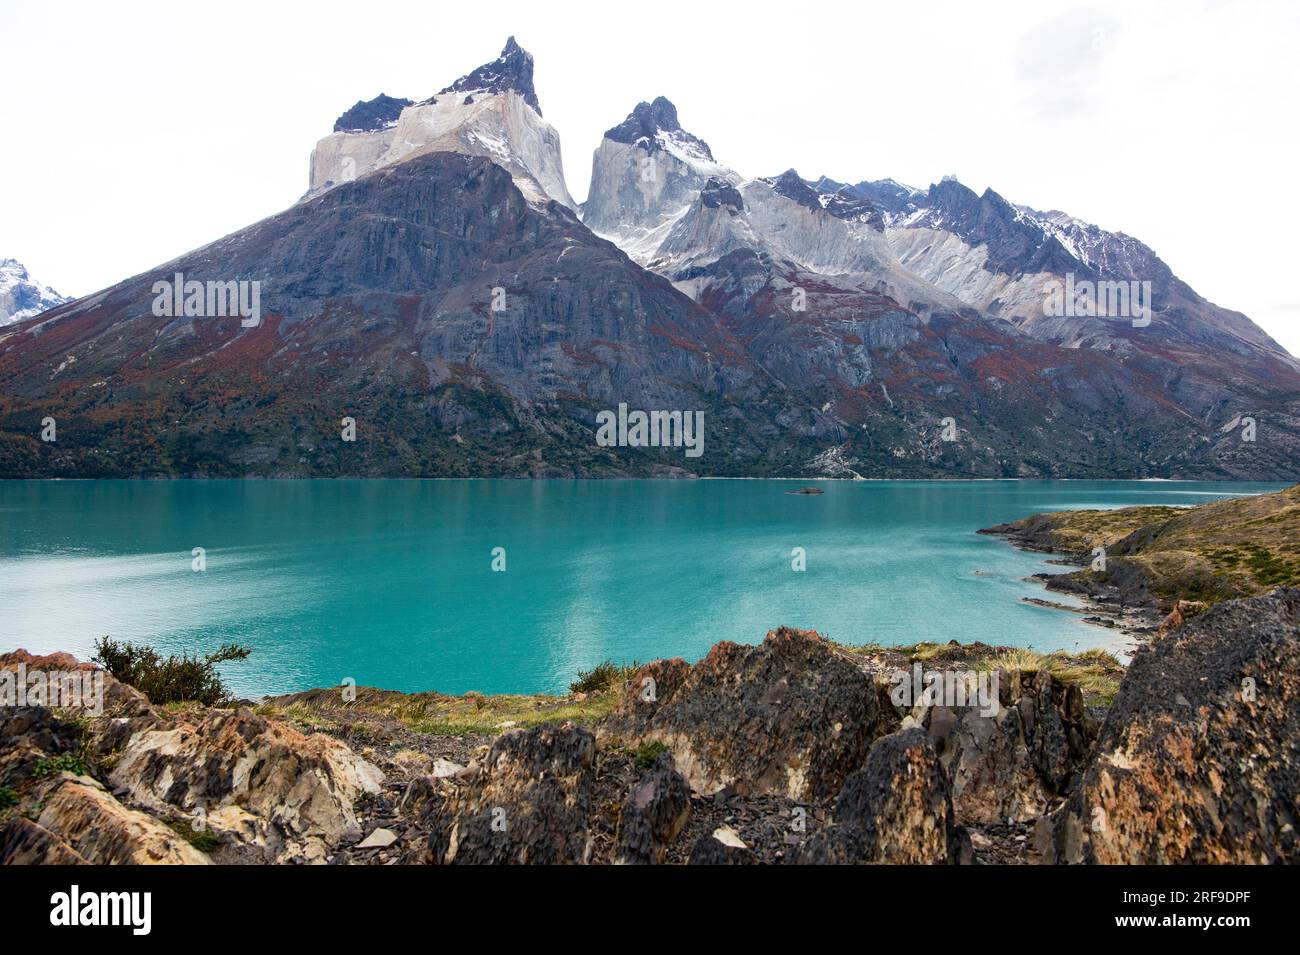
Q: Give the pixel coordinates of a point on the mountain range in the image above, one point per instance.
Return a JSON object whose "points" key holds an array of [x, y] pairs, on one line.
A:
{"points": [[438, 285]]}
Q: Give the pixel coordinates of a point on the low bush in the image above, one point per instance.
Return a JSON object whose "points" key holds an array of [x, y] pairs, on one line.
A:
{"points": [[170, 679]]}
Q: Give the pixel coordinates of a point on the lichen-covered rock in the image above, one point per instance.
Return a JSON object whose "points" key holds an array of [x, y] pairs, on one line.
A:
{"points": [[31, 734], [529, 803], [988, 763], [794, 715], [300, 788], [655, 811], [723, 846], [1198, 760], [650, 687], [896, 809]]}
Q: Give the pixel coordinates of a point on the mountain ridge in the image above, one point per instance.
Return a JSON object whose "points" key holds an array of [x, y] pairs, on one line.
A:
{"points": [[825, 328]]}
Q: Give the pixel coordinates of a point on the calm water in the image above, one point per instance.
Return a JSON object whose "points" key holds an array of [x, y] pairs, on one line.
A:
{"points": [[390, 582]]}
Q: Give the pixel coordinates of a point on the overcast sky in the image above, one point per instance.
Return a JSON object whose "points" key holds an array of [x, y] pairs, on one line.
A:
{"points": [[134, 132]]}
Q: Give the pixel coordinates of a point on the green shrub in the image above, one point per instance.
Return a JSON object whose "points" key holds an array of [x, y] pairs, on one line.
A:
{"points": [[8, 797], [169, 679]]}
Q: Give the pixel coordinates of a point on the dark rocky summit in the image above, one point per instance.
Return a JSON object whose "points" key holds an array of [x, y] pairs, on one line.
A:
{"points": [[1014, 244], [371, 114], [791, 185], [841, 201], [512, 70], [647, 120]]}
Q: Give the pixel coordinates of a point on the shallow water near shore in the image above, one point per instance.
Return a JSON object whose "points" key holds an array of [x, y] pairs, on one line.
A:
{"points": [[390, 582]]}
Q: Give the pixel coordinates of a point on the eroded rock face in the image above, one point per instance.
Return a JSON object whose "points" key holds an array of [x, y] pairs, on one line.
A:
{"points": [[23, 842], [1010, 766], [794, 715], [529, 803], [655, 811], [299, 789], [90, 822], [256, 783], [1197, 761], [896, 809], [987, 760]]}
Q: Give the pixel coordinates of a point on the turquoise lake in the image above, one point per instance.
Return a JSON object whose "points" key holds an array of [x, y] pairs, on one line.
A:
{"points": [[391, 582]]}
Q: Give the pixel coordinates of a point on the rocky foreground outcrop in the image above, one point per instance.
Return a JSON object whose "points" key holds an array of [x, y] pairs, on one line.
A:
{"points": [[1199, 757], [896, 808], [138, 783], [530, 802], [793, 715], [795, 750]]}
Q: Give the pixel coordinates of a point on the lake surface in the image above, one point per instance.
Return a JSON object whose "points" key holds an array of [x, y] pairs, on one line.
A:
{"points": [[391, 582]]}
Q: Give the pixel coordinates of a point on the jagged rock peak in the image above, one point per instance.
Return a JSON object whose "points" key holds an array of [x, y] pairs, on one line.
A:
{"points": [[512, 70], [647, 120], [378, 113]]}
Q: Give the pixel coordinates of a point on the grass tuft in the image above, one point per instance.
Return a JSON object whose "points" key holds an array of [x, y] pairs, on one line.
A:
{"points": [[205, 840], [604, 676]]}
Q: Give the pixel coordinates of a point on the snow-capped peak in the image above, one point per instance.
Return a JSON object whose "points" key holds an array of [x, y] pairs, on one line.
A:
{"points": [[21, 297], [654, 125], [491, 112], [646, 174]]}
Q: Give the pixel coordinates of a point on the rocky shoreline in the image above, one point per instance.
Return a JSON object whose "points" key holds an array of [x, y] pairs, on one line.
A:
{"points": [[796, 750], [1145, 570], [1123, 606]]}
